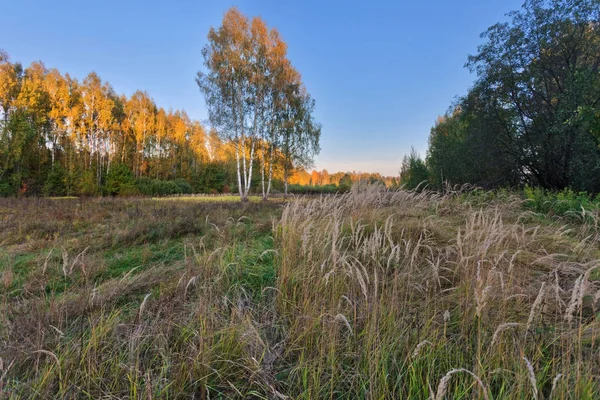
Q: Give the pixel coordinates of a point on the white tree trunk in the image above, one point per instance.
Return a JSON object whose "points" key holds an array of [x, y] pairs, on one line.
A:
{"points": [[262, 171], [248, 181], [270, 171], [239, 177]]}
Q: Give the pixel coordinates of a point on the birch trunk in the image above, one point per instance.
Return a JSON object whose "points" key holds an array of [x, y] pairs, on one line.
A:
{"points": [[244, 171], [248, 182], [239, 177], [270, 171], [262, 172]]}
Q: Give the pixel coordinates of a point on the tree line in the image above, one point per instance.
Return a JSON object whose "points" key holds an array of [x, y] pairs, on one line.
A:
{"points": [[60, 136], [532, 116], [339, 180]]}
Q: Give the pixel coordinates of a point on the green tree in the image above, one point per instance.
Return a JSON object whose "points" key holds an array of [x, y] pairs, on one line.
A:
{"points": [[536, 74], [345, 182], [300, 133], [413, 173], [55, 184], [120, 181], [465, 146]]}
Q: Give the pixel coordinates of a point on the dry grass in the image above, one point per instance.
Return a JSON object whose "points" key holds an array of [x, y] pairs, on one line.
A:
{"points": [[372, 294]]}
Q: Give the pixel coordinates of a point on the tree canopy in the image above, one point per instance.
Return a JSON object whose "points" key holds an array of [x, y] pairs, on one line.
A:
{"points": [[62, 136], [256, 99], [533, 114]]}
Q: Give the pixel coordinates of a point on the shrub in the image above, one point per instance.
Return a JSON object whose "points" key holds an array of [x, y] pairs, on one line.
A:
{"points": [[565, 202], [120, 181], [6, 189], [214, 176], [86, 185], [55, 183], [308, 189], [184, 186], [156, 187]]}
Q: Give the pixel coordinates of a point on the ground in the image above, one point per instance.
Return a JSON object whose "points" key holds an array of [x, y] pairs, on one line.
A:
{"points": [[370, 294]]}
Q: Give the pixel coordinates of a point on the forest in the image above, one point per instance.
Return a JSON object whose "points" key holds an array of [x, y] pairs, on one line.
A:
{"points": [[63, 137], [532, 116]]}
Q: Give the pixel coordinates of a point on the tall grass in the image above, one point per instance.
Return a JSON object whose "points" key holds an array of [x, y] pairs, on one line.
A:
{"points": [[369, 294]]}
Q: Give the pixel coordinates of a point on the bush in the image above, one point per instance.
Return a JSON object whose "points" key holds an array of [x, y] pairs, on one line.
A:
{"points": [[168, 188], [55, 183], [128, 189], [86, 185], [120, 181], [565, 202], [6, 189], [184, 186], [308, 189], [156, 187], [213, 177], [345, 183]]}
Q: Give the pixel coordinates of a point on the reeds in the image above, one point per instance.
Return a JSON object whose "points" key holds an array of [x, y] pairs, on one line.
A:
{"points": [[370, 294]]}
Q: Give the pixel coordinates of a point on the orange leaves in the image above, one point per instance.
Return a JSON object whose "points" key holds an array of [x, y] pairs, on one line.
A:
{"points": [[161, 124], [9, 82], [32, 95], [140, 111], [86, 127], [58, 91]]}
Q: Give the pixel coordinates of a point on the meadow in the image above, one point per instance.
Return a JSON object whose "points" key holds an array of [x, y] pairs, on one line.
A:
{"points": [[370, 294]]}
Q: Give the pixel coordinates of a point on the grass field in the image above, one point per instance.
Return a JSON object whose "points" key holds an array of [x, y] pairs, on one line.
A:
{"points": [[373, 294], [215, 199]]}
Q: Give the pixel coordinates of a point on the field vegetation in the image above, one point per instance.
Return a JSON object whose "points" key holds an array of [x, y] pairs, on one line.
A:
{"points": [[375, 293], [357, 286]]}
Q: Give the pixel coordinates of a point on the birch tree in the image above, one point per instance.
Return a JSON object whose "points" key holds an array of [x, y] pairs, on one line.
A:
{"points": [[227, 91], [141, 110], [254, 99], [300, 133], [96, 119]]}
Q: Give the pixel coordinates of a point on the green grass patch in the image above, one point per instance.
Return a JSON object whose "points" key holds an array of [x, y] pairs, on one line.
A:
{"points": [[250, 268], [123, 260]]}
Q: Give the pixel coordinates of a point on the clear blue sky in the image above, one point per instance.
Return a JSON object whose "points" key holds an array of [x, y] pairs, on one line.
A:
{"points": [[380, 71]]}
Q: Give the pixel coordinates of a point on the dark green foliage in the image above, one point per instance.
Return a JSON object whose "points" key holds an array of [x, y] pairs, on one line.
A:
{"points": [[535, 76], [6, 189], [55, 182], [120, 181], [22, 162], [86, 184], [345, 183], [414, 173], [324, 189], [533, 115], [183, 185], [214, 178], [464, 148], [565, 202], [156, 187]]}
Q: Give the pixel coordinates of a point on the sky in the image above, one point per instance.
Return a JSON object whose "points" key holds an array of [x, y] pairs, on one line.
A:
{"points": [[381, 72]]}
